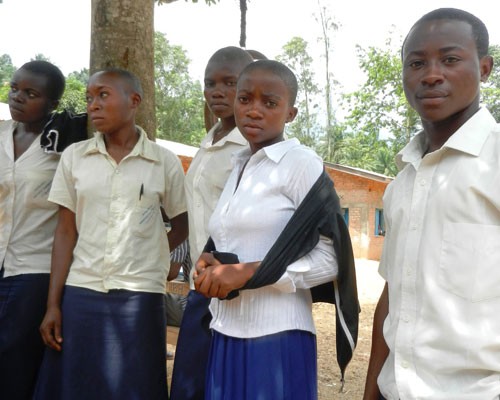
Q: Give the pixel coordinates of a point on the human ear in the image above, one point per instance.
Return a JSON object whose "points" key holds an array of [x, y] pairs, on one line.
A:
{"points": [[136, 99], [486, 66], [292, 113]]}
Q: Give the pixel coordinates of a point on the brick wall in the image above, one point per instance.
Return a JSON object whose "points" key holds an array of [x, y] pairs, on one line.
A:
{"points": [[361, 196]]}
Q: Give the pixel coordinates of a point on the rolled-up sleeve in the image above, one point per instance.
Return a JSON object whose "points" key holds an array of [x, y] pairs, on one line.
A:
{"points": [[315, 268]]}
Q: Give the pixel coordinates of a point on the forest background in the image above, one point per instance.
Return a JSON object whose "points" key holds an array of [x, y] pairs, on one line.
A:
{"points": [[364, 127]]}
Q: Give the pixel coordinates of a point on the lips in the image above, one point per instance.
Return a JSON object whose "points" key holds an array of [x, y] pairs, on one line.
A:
{"points": [[218, 105], [252, 129], [431, 94], [432, 97], [14, 109]]}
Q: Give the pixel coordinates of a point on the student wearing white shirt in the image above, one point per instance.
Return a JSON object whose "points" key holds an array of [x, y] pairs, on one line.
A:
{"points": [[205, 180], [436, 329], [263, 342], [27, 223], [105, 319]]}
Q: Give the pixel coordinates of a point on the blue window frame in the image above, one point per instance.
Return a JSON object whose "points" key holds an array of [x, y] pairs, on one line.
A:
{"points": [[379, 222], [346, 215]]}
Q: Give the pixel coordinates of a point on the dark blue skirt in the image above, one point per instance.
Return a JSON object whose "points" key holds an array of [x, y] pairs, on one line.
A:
{"points": [[113, 348], [191, 352], [23, 299], [281, 366]]}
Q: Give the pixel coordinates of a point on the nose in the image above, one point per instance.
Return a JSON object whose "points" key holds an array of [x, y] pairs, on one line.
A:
{"points": [[17, 96], [253, 112], [433, 74], [92, 104]]}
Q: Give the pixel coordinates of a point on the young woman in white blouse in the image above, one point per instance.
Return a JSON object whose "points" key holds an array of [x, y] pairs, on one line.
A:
{"points": [[264, 343]]}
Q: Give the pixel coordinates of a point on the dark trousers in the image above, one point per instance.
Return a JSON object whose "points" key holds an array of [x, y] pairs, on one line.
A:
{"points": [[191, 353]]}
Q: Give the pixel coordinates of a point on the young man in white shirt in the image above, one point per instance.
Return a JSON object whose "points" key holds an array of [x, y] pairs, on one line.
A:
{"points": [[436, 330]]}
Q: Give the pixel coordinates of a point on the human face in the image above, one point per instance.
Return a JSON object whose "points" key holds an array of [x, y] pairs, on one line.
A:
{"points": [[111, 105], [28, 101], [442, 70], [262, 108], [220, 87]]}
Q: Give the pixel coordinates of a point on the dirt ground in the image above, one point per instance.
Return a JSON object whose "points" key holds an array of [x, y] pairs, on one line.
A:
{"points": [[369, 288]]}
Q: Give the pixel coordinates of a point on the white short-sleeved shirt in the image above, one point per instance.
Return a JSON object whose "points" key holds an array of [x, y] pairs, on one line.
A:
{"points": [[122, 242], [442, 263], [205, 180], [248, 220], [27, 218]]}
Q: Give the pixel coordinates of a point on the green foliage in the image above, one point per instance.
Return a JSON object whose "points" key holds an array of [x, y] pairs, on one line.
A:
{"points": [[179, 100], [4, 93], [6, 69], [296, 57], [380, 121], [74, 95]]}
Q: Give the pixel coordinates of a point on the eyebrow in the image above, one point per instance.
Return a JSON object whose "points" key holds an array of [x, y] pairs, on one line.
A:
{"points": [[446, 49]]}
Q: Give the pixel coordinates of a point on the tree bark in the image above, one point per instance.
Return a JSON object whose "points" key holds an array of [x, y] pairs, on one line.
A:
{"points": [[122, 36]]}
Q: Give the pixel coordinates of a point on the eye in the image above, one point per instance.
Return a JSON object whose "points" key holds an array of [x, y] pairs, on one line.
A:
{"points": [[32, 95], [231, 83], [88, 99], [271, 104], [243, 99], [103, 94], [451, 60], [13, 89], [415, 63], [209, 84]]}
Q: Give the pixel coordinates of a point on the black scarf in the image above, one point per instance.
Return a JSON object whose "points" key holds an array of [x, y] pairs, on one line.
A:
{"points": [[319, 213], [63, 129]]}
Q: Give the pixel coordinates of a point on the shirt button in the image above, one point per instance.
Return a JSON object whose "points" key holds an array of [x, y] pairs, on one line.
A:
{"points": [[406, 319], [422, 182], [404, 364]]}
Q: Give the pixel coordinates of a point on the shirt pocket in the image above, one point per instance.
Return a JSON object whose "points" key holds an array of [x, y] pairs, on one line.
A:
{"points": [[145, 217], [38, 186], [470, 261]]}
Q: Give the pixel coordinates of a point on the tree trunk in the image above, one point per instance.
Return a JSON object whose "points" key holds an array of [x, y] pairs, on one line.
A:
{"points": [[122, 36]]}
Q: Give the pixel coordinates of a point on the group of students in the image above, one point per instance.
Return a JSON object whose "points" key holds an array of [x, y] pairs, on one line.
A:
{"points": [[85, 255]]}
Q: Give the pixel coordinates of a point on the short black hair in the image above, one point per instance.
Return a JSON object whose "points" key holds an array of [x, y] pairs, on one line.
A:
{"points": [[479, 30], [131, 79], [55, 78], [281, 71], [232, 54]]}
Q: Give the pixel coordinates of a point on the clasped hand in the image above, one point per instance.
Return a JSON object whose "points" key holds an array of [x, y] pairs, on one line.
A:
{"points": [[213, 279]]}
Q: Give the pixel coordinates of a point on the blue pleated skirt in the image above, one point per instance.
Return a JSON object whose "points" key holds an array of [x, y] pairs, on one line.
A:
{"points": [[22, 306], [281, 366], [113, 348]]}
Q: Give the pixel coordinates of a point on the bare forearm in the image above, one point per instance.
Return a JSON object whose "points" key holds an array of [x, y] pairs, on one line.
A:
{"points": [[179, 231], [379, 350], [62, 255]]}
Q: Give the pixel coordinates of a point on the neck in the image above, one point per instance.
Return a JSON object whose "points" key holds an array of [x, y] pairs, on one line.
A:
{"points": [[34, 128], [438, 133], [226, 126], [126, 139]]}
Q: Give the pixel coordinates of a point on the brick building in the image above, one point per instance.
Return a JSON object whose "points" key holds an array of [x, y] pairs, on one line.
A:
{"points": [[360, 193]]}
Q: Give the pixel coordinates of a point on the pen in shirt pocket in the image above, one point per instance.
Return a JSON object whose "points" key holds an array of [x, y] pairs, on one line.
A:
{"points": [[141, 192]]}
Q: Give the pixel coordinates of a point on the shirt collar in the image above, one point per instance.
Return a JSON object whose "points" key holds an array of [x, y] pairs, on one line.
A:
{"points": [[469, 138], [274, 152], [143, 148], [234, 136]]}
